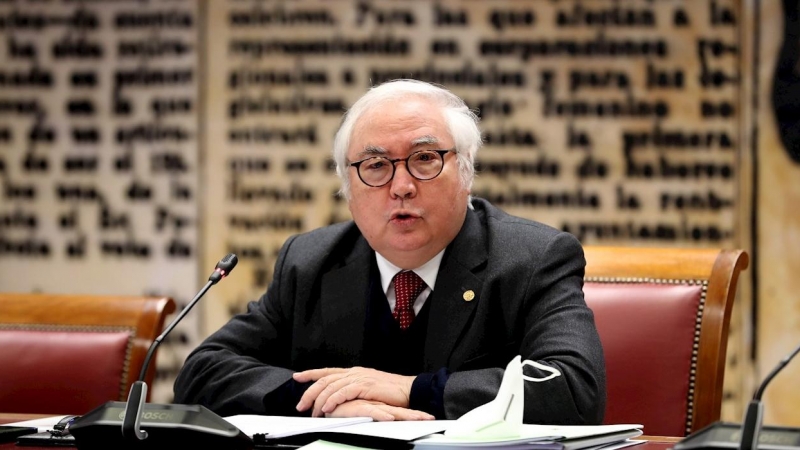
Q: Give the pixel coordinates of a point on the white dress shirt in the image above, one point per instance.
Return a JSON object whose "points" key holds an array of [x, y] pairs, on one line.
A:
{"points": [[428, 272]]}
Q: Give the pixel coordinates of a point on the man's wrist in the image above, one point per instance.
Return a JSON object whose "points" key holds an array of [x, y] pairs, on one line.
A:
{"points": [[427, 392], [281, 401], [409, 386]]}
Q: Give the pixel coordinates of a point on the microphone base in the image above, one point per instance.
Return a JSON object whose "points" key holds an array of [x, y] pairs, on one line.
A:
{"points": [[167, 427], [728, 436]]}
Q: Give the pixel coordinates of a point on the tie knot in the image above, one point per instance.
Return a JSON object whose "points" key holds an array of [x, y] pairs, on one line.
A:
{"points": [[407, 287], [410, 281]]}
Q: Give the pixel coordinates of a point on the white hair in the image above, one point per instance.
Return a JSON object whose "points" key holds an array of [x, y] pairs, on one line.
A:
{"points": [[461, 122]]}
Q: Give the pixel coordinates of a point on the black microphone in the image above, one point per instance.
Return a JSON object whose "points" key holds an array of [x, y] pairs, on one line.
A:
{"points": [[126, 424], [750, 436], [138, 393], [751, 427]]}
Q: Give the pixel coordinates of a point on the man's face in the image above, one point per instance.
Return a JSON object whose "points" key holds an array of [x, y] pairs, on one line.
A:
{"points": [[408, 221]]}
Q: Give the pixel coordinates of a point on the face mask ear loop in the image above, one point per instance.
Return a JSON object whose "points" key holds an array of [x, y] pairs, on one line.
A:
{"points": [[552, 370]]}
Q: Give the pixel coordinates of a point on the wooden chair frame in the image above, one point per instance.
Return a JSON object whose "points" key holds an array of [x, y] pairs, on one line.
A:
{"points": [[719, 271]]}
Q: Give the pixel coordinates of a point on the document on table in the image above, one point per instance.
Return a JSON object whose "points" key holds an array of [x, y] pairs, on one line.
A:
{"points": [[424, 434], [281, 426], [360, 431], [43, 424], [325, 445], [570, 437], [609, 441], [276, 427], [399, 430]]}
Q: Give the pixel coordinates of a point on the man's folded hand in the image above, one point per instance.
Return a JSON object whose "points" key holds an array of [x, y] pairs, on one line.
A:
{"points": [[378, 411], [335, 386]]}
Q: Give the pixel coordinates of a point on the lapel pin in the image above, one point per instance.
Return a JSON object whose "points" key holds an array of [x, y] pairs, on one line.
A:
{"points": [[469, 296]]}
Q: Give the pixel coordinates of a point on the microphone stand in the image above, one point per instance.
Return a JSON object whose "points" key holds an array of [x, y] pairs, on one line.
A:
{"points": [[751, 427], [138, 425], [730, 436], [131, 424]]}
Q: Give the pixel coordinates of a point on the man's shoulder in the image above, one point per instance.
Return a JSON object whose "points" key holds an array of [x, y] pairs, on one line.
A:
{"points": [[512, 241]]}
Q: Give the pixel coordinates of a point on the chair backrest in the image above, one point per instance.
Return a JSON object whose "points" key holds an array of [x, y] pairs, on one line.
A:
{"points": [[67, 354], [663, 317]]}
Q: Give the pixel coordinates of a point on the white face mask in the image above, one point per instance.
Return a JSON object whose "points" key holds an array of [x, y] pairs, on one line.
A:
{"points": [[501, 417], [552, 370]]}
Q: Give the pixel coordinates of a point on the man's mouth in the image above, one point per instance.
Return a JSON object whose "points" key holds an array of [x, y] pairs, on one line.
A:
{"points": [[403, 216]]}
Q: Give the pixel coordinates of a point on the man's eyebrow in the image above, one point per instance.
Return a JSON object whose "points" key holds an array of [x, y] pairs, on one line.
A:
{"points": [[374, 150], [424, 140], [371, 150]]}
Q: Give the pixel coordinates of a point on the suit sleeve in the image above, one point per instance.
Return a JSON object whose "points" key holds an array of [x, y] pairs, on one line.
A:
{"points": [[557, 329], [243, 366]]}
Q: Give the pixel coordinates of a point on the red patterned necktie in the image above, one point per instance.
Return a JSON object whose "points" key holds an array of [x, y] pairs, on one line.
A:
{"points": [[407, 286]]}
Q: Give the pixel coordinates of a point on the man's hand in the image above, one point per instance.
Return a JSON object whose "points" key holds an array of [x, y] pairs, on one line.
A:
{"points": [[336, 386], [378, 411]]}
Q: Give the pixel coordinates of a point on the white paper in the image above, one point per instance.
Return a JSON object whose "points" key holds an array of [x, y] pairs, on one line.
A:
{"points": [[524, 445], [43, 424], [282, 426], [325, 445], [440, 440], [403, 430], [616, 445], [573, 437], [575, 431], [601, 441]]}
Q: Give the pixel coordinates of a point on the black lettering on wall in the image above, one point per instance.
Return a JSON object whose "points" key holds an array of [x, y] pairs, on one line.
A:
{"points": [[595, 105], [78, 59]]}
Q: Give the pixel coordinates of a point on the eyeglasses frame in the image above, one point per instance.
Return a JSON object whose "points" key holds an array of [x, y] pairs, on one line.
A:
{"points": [[394, 162]]}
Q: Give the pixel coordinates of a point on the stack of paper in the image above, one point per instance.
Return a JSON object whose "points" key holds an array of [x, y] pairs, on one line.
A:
{"points": [[279, 426], [548, 437], [359, 431], [362, 431]]}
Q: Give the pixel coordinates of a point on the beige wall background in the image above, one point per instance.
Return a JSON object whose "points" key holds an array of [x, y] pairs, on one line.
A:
{"points": [[778, 237], [142, 141]]}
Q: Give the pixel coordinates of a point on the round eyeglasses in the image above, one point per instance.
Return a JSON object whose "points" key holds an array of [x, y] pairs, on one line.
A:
{"points": [[377, 171]]}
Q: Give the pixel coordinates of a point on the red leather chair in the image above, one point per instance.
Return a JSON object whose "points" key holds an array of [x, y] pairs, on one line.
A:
{"points": [[67, 354], [663, 317]]}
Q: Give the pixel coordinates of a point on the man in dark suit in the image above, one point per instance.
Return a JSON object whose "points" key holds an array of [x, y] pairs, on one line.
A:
{"points": [[343, 329]]}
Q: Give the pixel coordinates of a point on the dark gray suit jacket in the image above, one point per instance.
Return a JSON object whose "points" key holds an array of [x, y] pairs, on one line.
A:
{"points": [[527, 279]]}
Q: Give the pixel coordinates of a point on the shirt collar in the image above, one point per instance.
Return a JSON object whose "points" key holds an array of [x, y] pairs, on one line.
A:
{"points": [[428, 271]]}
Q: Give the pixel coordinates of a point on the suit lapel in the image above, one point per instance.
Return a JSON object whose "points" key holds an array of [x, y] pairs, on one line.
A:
{"points": [[344, 298], [456, 294]]}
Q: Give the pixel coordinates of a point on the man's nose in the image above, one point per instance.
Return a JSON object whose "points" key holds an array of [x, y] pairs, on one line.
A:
{"points": [[403, 184]]}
